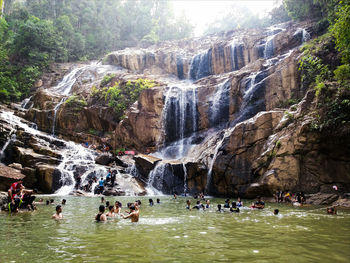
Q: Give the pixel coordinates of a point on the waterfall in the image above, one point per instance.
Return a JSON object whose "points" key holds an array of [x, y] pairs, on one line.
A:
{"points": [[220, 105], [305, 35], [25, 102], [180, 119], [57, 107], [155, 179], [201, 65], [66, 84], [76, 159], [185, 177], [269, 47], [11, 138], [234, 56], [216, 151]]}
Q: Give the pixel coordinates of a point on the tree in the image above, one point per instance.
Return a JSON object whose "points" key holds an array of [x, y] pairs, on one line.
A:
{"points": [[341, 30]]}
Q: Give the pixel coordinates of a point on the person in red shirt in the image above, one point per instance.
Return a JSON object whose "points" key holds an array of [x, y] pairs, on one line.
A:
{"points": [[14, 194]]}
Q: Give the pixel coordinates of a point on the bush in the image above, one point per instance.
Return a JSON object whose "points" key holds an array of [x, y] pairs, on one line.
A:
{"points": [[75, 102], [342, 73], [107, 79]]}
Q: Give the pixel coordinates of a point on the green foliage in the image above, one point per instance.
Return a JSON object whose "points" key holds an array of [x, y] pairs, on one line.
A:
{"points": [[289, 116], [313, 71], [121, 95], [310, 9], [95, 132], [341, 30], [75, 103], [278, 144], [342, 73], [319, 87], [107, 79]]}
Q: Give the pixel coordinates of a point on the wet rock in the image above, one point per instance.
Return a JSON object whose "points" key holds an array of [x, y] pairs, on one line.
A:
{"points": [[322, 199], [31, 179], [27, 157], [9, 176], [104, 159], [145, 164], [48, 178], [344, 202], [3, 198], [17, 166]]}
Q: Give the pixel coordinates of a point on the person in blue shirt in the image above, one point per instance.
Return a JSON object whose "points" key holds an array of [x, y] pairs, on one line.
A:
{"points": [[101, 185], [108, 177]]}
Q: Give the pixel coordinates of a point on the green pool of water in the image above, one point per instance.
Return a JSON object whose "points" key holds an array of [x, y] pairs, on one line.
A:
{"points": [[167, 232]]}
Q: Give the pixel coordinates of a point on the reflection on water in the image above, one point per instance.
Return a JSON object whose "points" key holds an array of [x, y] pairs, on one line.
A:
{"points": [[167, 232]]}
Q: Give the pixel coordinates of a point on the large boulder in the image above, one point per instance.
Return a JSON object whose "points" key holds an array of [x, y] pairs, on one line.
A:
{"points": [[8, 176], [104, 159]]}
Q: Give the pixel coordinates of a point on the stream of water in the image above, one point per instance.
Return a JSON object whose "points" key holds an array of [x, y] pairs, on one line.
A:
{"points": [[167, 232]]}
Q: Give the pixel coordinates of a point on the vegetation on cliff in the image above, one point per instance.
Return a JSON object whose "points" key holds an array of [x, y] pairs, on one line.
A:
{"points": [[35, 33], [325, 65], [119, 95]]}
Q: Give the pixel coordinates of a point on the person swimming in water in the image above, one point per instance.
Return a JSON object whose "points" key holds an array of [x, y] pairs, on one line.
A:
{"points": [[207, 204], [111, 211], [58, 215], [227, 203], [239, 202], [150, 202], [158, 201], [101, 215], [219, 209], [117, 207], [332, 210], [276, 211], [234, 208], [133, 214], [188, 204]]}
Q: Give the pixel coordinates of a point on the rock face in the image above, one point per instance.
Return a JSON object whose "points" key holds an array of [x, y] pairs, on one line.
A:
{"points": [[218, 121], [9, 176]]}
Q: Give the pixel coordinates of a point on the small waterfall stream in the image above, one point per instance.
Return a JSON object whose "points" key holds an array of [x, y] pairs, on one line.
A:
{"points": [[57, 107]]}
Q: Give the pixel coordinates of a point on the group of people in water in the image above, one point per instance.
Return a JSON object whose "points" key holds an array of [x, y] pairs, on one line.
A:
{"points": [[21, 198]]}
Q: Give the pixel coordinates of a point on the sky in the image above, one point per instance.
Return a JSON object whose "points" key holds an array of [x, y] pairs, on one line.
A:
{"points": [[202, 12]]}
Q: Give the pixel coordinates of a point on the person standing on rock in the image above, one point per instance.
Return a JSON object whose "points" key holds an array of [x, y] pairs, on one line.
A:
{"points": [[101, 185], [113, 178]]}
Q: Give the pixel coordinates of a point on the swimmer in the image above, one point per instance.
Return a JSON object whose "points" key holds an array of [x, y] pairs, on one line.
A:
{"points": [[219, 209], [258, 204], [51, 201], [63, 201], [47, 202], [276, 211], [227, 203], [150, 202], [207, 204], [239, 202], [107, 203], [111, 211], [58, 215], [175, 196], [199, 205], [102, 200], [117, 207], [158, 201], [188, 204], [332, 210], [234, 208], [133, 214], [101, 216]]}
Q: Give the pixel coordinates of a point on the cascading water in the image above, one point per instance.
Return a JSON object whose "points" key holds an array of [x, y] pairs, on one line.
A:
{"points": [[234, 56], [201, 65], [180, 120], [217, 148], [220, 105], [155, 179], [76, 160], [55, 110], [11, 138], [65, 86], [185, 177], [25, 103]]}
